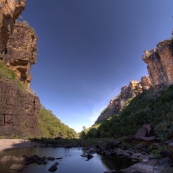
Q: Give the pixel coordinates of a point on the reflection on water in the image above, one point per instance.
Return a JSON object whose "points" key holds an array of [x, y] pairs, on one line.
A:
{"points": [[116, 163], [71, 162]]}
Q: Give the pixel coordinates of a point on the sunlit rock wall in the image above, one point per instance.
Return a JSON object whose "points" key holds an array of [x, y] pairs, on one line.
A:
{"points": [[21, 51], [160, 65], [9, 11], [117, 103]]}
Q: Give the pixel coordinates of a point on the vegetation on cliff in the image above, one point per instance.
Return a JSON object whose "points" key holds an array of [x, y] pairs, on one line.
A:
{"points": [[51, 126], [6, 73], [145, 108]]}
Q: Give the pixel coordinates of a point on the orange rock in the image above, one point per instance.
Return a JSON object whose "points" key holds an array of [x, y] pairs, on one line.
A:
{"points": [[160, 65]]}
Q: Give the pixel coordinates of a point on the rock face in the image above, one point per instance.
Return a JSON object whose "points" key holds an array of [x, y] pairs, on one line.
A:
{"points": [[19, 110], [160, 65], [21, 51], [127, 92], [145, 131], [9, 11]]}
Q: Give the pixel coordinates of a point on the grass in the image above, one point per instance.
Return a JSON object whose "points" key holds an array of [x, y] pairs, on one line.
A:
{"points": [[9, 74], [6, 72]]}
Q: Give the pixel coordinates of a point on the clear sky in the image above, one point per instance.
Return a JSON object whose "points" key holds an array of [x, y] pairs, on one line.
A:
{"points": [[89, 49]]}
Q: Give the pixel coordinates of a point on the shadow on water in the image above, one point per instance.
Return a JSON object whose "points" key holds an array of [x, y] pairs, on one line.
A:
{"points": [[116, 163]]}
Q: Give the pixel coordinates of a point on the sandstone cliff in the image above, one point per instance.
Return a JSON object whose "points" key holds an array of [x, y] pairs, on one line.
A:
{"points": [[19, 109], [160, 65], [9, 11], [21, 51], [117, 103], [160, 69]]}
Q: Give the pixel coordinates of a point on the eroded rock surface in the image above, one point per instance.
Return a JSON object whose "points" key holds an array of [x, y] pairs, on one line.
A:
{"points": [[160, 65], [9, 11], [21, 51], [19, 110], [117, 103]]}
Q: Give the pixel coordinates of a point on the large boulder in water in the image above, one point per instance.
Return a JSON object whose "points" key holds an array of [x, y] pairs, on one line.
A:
{"points": [[52, 168]]}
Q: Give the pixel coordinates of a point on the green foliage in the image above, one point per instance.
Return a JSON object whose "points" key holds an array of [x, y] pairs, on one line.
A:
{"points": [[74, 142], [142, 109], [51, 126], [156, 151], [14, 136], [2, 137], [167, 170], [6, 72]]}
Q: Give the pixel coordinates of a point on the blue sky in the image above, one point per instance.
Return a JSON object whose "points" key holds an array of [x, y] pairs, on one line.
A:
{"points": [[89, 49]]}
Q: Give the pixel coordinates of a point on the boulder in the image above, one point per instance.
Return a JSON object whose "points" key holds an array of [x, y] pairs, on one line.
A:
{"points": [[51, 158], [52, 168], [21, 159], [14, 158], [56, 163], [89, 156], [151, 166], [17, 167], [150, 131], [145, 131], [142, 132], [5, 159], [112, 145]]}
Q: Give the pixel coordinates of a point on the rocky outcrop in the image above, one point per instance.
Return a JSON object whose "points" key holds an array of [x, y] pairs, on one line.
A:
{"points": [[21, 51], [145, 131], [9, 11], [151, 166], [19, 110], [160, 65], [117, 103], [160, 69]]}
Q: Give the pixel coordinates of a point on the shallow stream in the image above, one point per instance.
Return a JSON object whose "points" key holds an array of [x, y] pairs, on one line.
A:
{"points": [[71, 162]]}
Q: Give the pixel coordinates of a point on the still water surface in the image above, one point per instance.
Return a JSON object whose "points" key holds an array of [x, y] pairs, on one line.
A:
{"points": [[71, 162]]}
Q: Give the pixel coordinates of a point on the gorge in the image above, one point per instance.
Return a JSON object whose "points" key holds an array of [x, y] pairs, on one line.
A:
{"points": [[137, 123]]}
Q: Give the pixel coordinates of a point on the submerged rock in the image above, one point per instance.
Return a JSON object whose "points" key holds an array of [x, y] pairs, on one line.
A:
{"points": [[52, 168], [18, 167]]}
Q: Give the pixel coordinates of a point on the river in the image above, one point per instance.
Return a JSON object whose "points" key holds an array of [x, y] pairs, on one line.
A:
{"points": [[71, 162]]}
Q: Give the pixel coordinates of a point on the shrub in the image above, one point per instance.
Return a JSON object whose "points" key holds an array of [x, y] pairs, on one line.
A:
{"points": [[139, 110]]}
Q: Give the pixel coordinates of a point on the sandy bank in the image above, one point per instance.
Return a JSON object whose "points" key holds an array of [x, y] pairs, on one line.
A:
{"points": [[12, 144]]}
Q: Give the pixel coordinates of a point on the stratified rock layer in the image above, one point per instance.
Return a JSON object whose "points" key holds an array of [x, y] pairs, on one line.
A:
{"points": [[160, 65], [127, 92], [9, 11], [21, 51], [19, 110]]}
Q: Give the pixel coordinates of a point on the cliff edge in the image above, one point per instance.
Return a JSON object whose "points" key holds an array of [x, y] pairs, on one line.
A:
{"points": [[160, 65], [9, 11], [160, 69], [20, 53], [19, 107], [118, 102]]}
